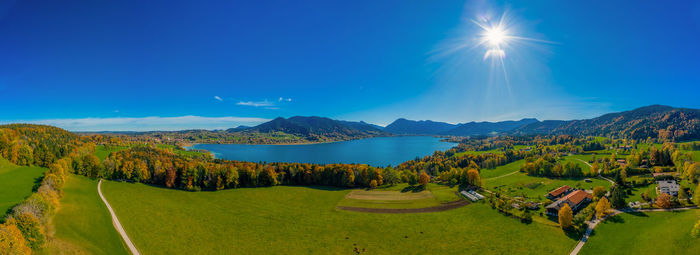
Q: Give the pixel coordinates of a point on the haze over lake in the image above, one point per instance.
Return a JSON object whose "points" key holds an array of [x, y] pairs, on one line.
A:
{"points": [[379, 151]]}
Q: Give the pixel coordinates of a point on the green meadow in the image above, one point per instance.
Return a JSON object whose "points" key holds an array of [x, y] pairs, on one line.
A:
{"points": [[501, 170], [645, 233], [16, 183], [102, 152], [82, 224], [401, 196], [252, 220]]}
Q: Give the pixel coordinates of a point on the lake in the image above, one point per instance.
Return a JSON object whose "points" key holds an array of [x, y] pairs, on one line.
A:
{"points": [[378, 151]]}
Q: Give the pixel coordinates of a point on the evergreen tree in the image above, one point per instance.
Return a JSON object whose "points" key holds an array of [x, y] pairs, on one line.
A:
{"points": [[617, 197]]}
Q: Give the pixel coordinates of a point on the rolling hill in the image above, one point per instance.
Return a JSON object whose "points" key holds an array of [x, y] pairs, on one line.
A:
{"points": [[655, 121], [428, 127], [313, 126], [485, 128], [422, 127]]}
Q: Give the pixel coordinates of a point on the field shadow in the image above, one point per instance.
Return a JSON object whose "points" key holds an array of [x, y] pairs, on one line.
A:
{"points": [[37, 183], [574, 234], [615, 219], [415, 189], [638, 214]]}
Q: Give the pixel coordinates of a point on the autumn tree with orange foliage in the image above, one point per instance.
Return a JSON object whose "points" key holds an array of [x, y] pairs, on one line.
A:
{"points": [[12, 241], [602, 208], [566, 216], [373, 184], [663, 201], [423, 179]]}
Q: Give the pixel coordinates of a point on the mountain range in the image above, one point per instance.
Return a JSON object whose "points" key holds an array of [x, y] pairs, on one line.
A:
{"points": [[427, 127], [655, 121]]}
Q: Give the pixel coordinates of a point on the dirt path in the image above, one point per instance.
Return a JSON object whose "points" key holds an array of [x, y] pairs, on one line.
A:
{"points": [[116, 223], [508, 174], [599, 170], [444, 207], [592, 224]]}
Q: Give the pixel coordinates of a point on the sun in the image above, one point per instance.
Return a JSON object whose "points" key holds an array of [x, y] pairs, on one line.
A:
{"points": [[495, 36]]}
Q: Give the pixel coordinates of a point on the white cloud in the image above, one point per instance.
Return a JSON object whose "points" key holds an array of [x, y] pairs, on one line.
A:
{"points": [[284, 99], [146, 123], [264, 103], [218, 98]]}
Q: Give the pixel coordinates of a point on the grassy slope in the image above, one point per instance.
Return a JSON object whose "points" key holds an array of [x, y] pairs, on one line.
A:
{"points": [[16, 183], [647, 233], [82, 224], [102, 152], [294, 220], [501, 170]]}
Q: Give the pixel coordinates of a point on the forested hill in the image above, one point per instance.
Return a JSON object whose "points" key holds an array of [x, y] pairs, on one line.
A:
{"points": [[655, 121], [294, 130], [422, 127], [485, 128], [318, 128], [427, 127]]}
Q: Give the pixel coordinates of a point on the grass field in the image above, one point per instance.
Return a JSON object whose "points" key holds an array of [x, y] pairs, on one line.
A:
{"points": [[303, 220], [501, 170], [102, 152], [645, 233], [82, 224], [520, 184], [16, 183], [401, 197]]}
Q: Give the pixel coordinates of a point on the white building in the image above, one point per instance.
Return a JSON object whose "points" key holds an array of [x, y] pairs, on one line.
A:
{"points": [[668, 186]]}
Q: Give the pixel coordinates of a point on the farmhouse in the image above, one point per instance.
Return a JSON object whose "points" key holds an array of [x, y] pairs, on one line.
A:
{"points": [[622, 162], [576, 200], [559, 192], [668, 186]]}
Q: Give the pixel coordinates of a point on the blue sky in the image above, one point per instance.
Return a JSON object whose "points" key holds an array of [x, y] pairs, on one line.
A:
{"points": [[140, 65]]}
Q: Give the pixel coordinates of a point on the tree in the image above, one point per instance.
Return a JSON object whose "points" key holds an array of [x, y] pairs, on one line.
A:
{"points": [[663, 201], [31, 229], [391, 176], [423, 179], [566, 216], [12, 241], [682, 195], [594, 168], [620, 178], [602, 208], [696, 195], [473, 177], [618, 197], [411, 177], [599, 191], [373, 184]]}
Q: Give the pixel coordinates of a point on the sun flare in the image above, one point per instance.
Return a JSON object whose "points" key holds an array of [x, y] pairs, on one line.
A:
{"points": [[495, 36]]}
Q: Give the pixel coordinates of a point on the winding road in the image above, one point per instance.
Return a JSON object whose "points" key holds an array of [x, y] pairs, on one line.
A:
{"points": [[116, 223]]}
